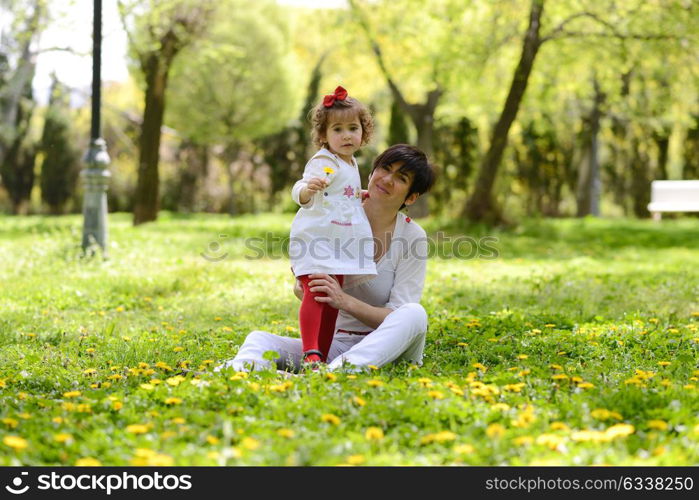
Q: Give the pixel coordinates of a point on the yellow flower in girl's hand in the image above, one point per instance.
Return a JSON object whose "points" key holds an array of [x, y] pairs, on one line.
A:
{"points": [[328, 170]]}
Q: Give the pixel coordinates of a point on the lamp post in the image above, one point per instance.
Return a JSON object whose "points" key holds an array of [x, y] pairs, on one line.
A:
{"points": [[96, 176]]}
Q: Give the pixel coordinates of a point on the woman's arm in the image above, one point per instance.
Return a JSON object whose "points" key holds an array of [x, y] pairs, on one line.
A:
{"points": [[369, 315]]}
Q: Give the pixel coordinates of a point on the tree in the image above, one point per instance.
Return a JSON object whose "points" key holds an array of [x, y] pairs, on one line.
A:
{"points": [[634, 21], [156, 36], [61, 164], [17, 67], [234, 84]]}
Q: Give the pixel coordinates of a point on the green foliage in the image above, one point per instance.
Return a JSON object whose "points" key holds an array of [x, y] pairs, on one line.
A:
{"points": [[61, 165], [576, 346], [235, 83]]}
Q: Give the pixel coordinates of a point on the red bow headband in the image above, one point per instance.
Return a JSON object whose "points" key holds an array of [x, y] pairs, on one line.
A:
{"points": [[339, 95]]}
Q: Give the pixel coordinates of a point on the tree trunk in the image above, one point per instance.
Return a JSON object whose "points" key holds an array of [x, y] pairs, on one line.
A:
{"points": [[146, 200], [481, 206], [589, 187]]}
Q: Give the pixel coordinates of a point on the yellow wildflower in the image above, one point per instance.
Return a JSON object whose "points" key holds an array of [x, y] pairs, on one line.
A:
{"points": [[559, 426], [89, 371], [10, 422], [495, 431], [117, 405], [620, 430], [604, 414], [178, 348], [480, 366], [355, 459], [551, 441], [15, 442], [331, 377], [330, 418], [328, 170], [212, 439], [358, 401], [285, 433], [663, 363], [439, 437], [173, 401], [374, 434], [523, 440], [175, 381], [62, 437], [514, 387], [250, 443], [71, 394], [464, 449], [500, 406], [435, 394], [375, 383], [660, 425], [137, 428], [585, 385], [88, 462], [522, 356]]}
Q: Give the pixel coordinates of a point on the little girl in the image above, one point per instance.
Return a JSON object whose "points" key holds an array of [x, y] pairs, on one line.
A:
{"points": [[330, 233]]}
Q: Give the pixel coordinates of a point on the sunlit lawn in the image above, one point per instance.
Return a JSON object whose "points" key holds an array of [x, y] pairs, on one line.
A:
{"points": [[577, 345]]}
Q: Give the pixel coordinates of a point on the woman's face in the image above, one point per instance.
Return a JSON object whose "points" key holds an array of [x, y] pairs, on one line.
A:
{"points": [[390, 185]]}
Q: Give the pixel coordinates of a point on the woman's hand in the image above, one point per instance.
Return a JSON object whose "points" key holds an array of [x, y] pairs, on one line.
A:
{"points": [[329, 285]]}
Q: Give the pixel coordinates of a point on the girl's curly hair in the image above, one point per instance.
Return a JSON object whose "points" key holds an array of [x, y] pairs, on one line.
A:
{"points": [[349, 108]]}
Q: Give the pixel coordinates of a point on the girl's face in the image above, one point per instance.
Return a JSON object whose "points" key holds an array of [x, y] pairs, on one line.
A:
{"points": [[344, 136], [388, 183]]}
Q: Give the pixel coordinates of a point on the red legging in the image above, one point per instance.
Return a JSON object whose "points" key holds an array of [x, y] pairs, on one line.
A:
{"points": [[316, 319]]}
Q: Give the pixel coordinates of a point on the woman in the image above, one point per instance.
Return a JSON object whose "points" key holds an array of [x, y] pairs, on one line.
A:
{"points": [[380, 319]]}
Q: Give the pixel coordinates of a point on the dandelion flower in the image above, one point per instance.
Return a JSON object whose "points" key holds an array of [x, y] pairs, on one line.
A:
{"points": [[523, 440], [659, 425], [15, 442], [464, 449], [250, 443], [495, 431], [328, 170], [137, 428], [330, 418], [436, 394], [375, 383], [620, 430], [62, 437], [355, 459], [551, 441], [358, 401], [88, 462], [10, 422], [285, 433], [374, 434], [72, 394], [173, 401]]}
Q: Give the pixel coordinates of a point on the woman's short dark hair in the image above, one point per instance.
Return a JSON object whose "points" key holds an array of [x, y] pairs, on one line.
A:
{"points": [[414, 162]]}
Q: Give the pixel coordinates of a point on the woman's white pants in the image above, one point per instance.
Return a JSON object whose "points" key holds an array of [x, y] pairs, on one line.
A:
{"points": [[400, 336]]}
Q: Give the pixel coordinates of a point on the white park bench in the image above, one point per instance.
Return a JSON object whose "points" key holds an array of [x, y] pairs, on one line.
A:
{"points": [[673, 196]]}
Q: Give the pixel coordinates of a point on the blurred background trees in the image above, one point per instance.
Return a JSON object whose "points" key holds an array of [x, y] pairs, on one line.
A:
{"points": [[527, 107]]}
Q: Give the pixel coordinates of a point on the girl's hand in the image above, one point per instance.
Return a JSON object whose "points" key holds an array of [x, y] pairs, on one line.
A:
{"points": [[298, 289], [316, 184], [313, 185], [329, 285]]}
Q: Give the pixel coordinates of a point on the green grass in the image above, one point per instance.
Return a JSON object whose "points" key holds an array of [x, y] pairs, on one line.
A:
{"points": [[589, 301]]}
